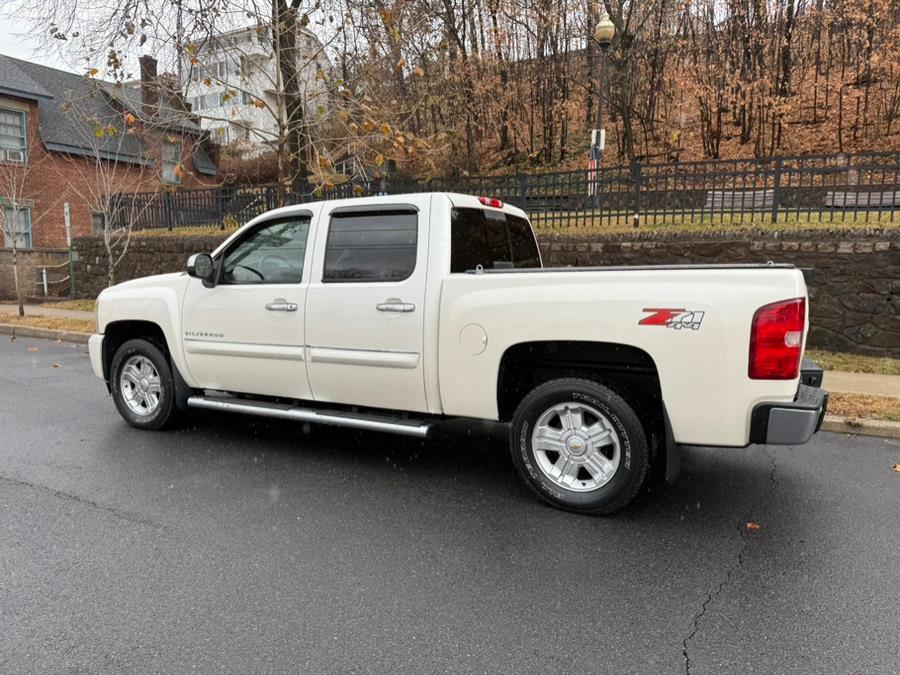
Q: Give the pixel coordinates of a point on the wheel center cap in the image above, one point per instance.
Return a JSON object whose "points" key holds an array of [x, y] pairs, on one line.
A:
{"points": [[576, 446], [144, 384]]}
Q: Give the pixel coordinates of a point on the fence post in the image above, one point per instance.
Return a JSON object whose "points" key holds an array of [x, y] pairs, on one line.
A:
{"points": [[523, 190], [776, 192], [169, 211], [220, 207], [636, 180], [73, 256]]}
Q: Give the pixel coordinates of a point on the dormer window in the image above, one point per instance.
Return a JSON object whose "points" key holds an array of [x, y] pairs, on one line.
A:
{"points": [[13, 143]]}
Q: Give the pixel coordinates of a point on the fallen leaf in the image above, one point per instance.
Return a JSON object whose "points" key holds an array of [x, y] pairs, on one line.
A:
{"points": [[896, 468], [33, 349], [56, 365], [753, 526]]}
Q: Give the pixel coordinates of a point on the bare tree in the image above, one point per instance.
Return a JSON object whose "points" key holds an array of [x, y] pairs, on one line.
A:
{"points": [[17, 197], [117, 175], [482, 84]]}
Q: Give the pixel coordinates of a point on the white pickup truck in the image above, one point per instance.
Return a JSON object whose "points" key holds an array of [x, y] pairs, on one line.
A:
{"points": [[394, 313]]}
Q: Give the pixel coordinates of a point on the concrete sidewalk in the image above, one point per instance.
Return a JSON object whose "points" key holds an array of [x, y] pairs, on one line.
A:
{"points": [[862, 383], [42, 310]]}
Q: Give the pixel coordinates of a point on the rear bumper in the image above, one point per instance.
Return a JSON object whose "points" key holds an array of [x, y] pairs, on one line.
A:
{"points": [[791, 423]]}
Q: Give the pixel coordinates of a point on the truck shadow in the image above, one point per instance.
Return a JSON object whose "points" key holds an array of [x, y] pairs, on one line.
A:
{"points": [[465, 457]]}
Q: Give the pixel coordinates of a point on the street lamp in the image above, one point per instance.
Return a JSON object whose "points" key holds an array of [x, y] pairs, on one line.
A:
{"points": [[604, 32]]}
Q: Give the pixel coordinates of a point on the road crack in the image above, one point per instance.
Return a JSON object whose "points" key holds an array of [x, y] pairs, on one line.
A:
{"points": [[124, 515], [732, 572]]}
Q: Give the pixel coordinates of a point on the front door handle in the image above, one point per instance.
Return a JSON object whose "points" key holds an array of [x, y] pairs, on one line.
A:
{"points": [[395, 306], [281, 305]]}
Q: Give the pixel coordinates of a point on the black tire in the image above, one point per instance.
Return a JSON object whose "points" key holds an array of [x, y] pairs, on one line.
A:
{"points": [[633, 454], [165, 411]]}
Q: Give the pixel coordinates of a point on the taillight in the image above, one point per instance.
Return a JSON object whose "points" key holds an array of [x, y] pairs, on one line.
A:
{"points": [[490, 201], [776, 340]]}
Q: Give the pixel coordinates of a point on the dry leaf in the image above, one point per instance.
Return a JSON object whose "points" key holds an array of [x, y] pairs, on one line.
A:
{"points": [[33, 349], [753, 526], [896, 468], [56, 365]]}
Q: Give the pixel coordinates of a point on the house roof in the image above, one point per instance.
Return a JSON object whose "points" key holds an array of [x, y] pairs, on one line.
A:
{"points": [[14, 81], [70, 106]]}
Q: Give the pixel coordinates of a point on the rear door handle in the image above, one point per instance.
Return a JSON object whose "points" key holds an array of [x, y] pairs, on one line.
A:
{"points": [[281, 305], [395, 306]]}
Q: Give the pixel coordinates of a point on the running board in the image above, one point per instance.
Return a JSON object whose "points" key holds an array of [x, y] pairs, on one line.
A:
{"points": [[353, 420]]}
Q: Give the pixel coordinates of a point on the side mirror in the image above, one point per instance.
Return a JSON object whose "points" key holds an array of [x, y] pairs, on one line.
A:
{"points": [[201, 266]]}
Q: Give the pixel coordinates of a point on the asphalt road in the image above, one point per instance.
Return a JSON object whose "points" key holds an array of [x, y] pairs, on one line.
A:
{"points": [[240, 545]]}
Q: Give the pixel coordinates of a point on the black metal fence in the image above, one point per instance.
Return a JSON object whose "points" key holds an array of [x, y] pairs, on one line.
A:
{"points": [[863, 187]]}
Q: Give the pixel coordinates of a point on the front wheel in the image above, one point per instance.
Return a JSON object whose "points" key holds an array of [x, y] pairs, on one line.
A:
{"points": [[142, 385], [579, 446]]}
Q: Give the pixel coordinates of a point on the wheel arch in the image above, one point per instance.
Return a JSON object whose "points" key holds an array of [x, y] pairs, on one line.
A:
{"points": [[630, 371], [118, 333]]}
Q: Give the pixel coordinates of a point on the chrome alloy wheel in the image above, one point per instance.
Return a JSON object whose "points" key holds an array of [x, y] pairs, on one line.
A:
{"points": [[576, 446], [140, 385]]}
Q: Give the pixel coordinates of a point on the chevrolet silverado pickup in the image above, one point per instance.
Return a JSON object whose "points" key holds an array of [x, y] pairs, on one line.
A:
{"points": [[394, 313]]}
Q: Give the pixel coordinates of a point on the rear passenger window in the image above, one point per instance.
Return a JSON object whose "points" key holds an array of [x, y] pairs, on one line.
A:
{"points": [[492, 239], [371, 246]]}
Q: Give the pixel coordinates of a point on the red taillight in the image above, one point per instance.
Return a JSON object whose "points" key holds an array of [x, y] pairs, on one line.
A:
{"points": [[776, 340], [490, 201]]}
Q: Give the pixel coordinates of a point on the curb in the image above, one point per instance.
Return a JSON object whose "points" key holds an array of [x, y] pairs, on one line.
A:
{"points": [[17, 330], [877, 428]]}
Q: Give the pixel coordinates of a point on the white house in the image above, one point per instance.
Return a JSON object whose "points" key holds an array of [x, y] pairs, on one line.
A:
{"points": [[228, 77]]}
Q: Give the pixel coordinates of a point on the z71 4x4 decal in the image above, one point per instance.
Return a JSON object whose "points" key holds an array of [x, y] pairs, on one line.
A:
{"points": [[672, 318]]}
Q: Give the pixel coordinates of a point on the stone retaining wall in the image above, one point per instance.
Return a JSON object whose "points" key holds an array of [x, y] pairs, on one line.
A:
{"points": [[146, 256], [30, 264], [854, 287]]}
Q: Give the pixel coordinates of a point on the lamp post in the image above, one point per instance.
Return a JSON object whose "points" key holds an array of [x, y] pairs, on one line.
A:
{"points": [[604, 32]]}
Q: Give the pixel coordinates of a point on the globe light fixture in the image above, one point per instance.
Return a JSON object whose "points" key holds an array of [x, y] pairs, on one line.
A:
{"points": [[604, 31]]}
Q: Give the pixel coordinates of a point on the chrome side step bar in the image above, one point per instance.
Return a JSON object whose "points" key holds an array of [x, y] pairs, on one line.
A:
{"points": [[354, 420]]}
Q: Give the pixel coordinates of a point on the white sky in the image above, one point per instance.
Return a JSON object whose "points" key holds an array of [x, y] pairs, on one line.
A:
{"points": [[13, 43]]}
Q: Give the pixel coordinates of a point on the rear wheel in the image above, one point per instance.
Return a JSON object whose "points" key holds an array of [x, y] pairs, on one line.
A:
{"points": [[142, 385], [579, 446]]}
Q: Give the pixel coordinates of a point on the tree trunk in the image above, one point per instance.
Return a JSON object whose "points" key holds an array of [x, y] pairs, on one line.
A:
{"points": [[293, 161], [15, 264]]}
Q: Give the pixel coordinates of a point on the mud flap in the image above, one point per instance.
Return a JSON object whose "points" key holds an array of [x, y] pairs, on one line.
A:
{"points": [[673, 451]]}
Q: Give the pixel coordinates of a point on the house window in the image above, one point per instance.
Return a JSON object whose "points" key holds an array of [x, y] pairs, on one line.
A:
{"points": [[13, 144], [224, 69], [246, 98], [171, 156], [19, 227], [98, 223], [228, 98]]}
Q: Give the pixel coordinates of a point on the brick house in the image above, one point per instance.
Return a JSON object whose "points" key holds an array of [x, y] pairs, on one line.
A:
{"points": [[56, 128]]}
